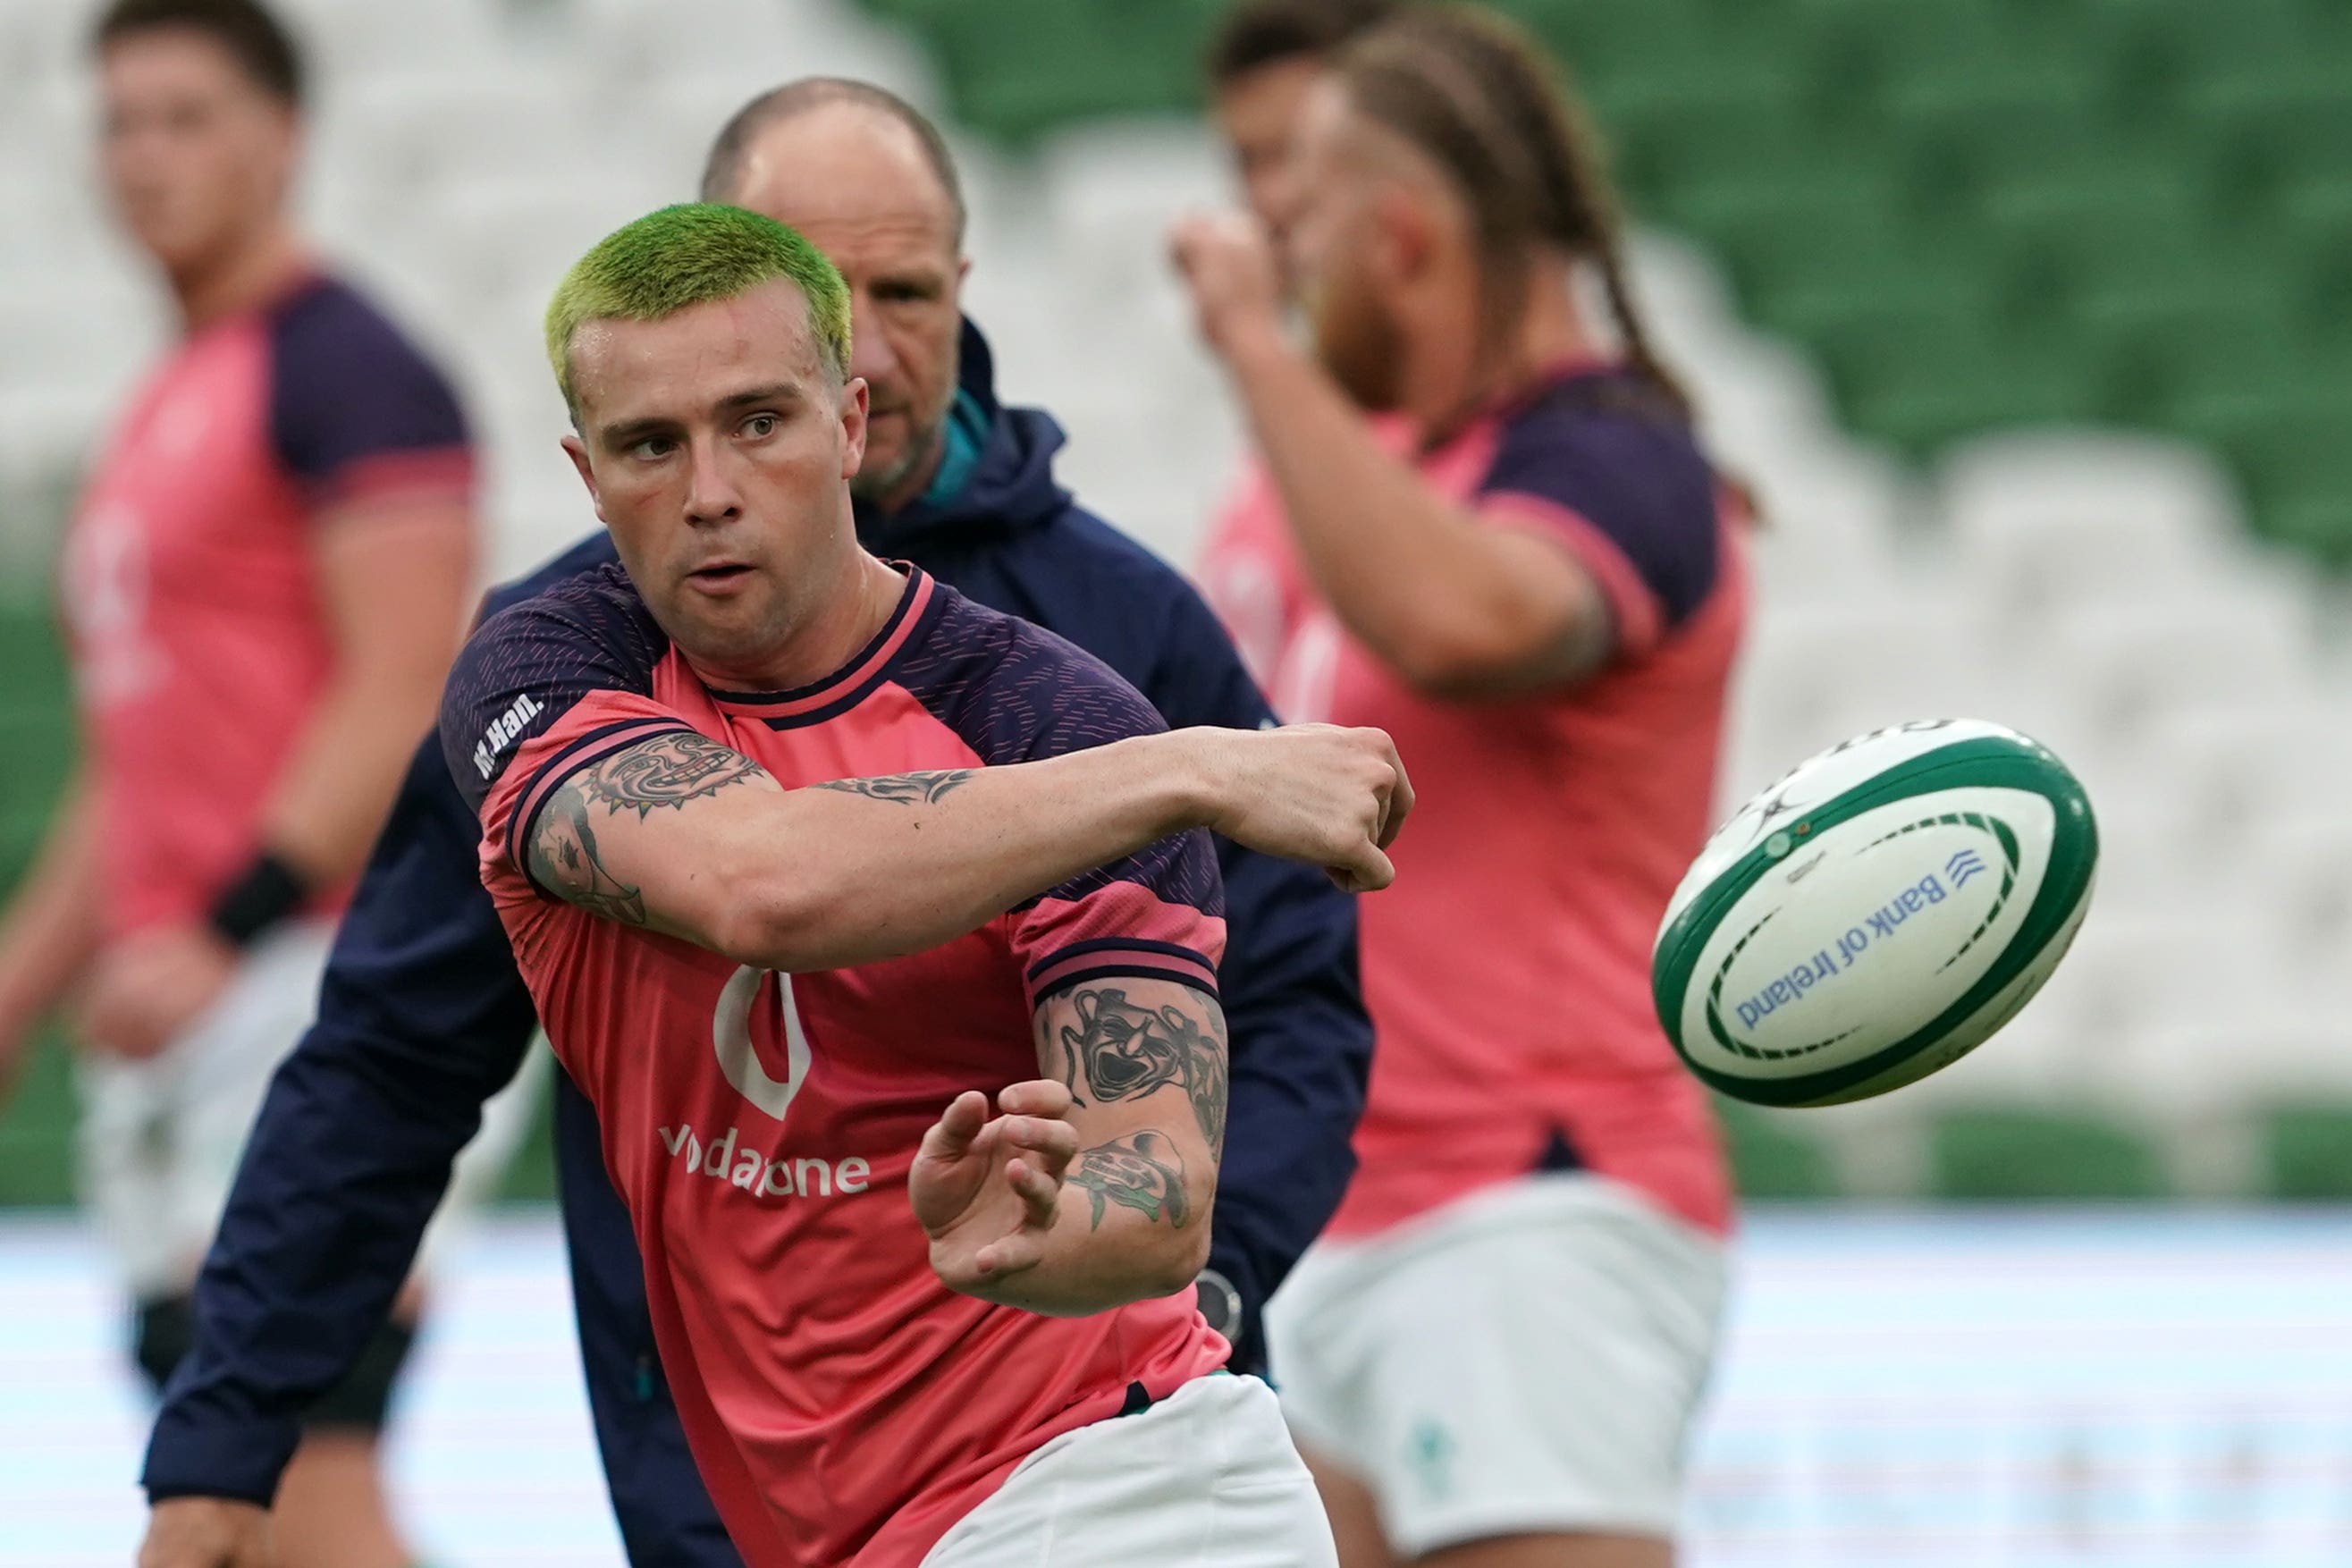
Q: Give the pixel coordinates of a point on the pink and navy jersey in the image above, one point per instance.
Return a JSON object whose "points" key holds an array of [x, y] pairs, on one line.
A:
{"points": [[199, 640], [844, 1406], [1507, 969]]}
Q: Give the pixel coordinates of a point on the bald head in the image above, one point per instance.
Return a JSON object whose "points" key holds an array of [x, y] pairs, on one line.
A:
{"points": [[744, 144], [867, 179]]}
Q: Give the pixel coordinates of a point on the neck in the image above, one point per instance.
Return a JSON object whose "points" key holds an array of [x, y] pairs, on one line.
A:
{"points": [[851, 610], [1451, 374], [243, 277], [909, 490]]}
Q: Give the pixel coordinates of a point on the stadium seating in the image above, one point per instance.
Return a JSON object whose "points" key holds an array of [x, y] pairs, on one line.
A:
{"points": [[2022, 317]]}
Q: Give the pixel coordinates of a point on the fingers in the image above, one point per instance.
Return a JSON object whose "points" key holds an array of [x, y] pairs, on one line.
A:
{"points": [[1035, 1097], [1366, 871], [1039, 1191], [958, 1125], [1009, 1254], [1399, 800]]}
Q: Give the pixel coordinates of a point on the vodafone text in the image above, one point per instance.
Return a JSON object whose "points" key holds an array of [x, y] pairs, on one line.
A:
{"points": [[763, 1177]]}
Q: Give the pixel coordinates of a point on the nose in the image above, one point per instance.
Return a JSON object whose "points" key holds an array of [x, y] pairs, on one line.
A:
{"points": [[712, 495], [870, 353]]}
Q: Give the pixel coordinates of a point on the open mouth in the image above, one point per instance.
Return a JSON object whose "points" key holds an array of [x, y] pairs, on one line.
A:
{"points": [[722, 574]]}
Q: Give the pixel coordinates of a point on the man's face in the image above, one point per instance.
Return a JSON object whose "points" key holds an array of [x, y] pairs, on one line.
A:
{"points": [[1258, 112], [856, 184], [195, 155], [1332, 250], [716, 446]]}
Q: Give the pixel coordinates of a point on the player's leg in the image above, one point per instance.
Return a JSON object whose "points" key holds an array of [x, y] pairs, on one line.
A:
{"points": [[1354, 1512], [1540, 1351], [1206, 1478], [1557, 1552]]}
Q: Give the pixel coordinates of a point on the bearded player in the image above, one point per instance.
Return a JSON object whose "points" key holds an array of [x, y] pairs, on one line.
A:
{"points": [[1529, 572], [890, 1338]]}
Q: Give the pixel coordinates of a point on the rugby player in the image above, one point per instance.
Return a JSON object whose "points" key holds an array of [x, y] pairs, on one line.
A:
{"points": [[424, 1013], [1532, 576], [263, 582], [963, 1344]]}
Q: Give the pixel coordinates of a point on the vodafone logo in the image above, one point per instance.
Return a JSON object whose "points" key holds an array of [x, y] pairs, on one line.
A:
{"points": [[726, 1158], [731, 1034]]}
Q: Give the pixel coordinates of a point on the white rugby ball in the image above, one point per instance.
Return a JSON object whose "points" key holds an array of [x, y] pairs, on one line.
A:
{"points": [[1876, 914]]}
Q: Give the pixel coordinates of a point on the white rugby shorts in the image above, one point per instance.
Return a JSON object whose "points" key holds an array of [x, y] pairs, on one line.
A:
{"points": [[161, 1138], [1207, 1478], [1524, 1360]]}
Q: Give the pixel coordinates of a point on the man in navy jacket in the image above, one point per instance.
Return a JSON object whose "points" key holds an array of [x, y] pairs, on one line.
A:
{"points": [[423, 1016]]}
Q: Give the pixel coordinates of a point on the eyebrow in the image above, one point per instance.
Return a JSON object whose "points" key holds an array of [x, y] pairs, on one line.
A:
{"points": [[779, 392], [630, 431]]}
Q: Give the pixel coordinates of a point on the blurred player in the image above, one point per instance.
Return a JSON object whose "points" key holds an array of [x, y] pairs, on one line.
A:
{"points": [[1265, 58], [423, 1014], [653, 750], [264, 583], [1542, 599]]}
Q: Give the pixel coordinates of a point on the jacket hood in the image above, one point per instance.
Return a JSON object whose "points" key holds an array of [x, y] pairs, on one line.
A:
{"points": [[1011, 483]]}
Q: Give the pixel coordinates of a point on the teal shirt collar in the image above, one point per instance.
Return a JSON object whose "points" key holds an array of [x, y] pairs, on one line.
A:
{"points": [[967, 434]]}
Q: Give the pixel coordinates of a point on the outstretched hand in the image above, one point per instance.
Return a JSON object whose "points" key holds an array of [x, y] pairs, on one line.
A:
{"points": [[986, 1189]]}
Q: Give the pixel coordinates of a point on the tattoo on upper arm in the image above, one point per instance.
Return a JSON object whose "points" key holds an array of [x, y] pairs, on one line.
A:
{"points": [[1142, 1170], [905, 789], [669, 770], [1121, 1050]]}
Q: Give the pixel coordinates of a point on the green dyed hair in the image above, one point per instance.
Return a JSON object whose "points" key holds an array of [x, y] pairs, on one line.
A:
{"points": [[689, 255]]}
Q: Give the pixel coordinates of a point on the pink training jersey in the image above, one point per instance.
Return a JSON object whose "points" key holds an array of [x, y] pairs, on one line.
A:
{"points": [[1507, 969], [844, 1406], [199, 640]]}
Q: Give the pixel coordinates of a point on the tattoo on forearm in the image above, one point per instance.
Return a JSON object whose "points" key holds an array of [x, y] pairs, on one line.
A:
{"points": [[1142, 1172], [905, 789], [669, 770], [1123, 1051]]}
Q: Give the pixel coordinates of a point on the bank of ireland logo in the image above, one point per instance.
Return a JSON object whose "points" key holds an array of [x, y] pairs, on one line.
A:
{"points": [[1963, 866], [730, 1033]]}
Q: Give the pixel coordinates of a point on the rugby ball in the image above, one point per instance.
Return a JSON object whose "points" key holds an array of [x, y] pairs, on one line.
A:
{"points": [[1876, 914]]}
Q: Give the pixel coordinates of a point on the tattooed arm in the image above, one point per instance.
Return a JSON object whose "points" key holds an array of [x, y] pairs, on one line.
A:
{"points": [[682, 835], [1141, 1064]]}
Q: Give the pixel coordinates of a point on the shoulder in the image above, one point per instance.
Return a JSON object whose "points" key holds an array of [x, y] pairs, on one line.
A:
{"points": [[1013, 690], [1623, 477], [347, 383], [536, 660]]}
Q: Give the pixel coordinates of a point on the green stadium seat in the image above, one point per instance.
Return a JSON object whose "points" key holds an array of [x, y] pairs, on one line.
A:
{"points": [[2307, 1154], [2022, 1155]]}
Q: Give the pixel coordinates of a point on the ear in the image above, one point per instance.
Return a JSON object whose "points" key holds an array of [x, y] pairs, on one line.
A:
{"points": [[853, 425], [577, 450], [1404, 235]]}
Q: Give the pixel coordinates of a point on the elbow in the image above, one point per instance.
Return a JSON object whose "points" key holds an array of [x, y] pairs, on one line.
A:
{"points": [[1176, 1262], [773, 920], [1449, 664]]}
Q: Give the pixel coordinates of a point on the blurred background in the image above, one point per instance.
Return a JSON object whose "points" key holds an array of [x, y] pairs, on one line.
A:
{"points": [[2029, 321]]}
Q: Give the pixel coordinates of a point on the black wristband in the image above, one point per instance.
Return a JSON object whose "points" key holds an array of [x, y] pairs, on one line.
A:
{"points": [[268, 890]]}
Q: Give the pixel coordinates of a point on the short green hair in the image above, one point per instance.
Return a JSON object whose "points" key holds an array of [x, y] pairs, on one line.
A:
{"points": [[689, 255]]}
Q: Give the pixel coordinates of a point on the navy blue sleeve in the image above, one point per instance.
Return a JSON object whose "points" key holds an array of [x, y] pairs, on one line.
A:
{"points": [[355, 409], [1636, 497], [531, 663], [421, 1018], [1302, 1043]]}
